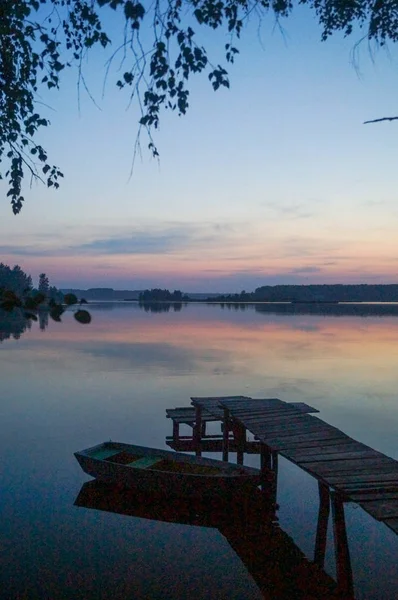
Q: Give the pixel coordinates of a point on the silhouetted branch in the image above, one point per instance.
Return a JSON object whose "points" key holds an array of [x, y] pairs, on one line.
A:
{"points": [[382, 119]]}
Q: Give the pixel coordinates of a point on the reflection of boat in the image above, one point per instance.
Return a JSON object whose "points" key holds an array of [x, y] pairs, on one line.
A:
{"points": [[200, 511], [248, 523], [161, 472]]}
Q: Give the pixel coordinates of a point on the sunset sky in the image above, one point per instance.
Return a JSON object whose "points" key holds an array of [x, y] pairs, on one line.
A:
{"points": [[276, 180]]}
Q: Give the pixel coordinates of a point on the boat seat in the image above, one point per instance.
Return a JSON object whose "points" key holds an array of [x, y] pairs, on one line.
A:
{"points": [[104, 453], [145, 462]]}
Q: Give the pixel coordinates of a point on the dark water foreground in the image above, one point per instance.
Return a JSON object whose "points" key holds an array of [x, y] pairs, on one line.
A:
{"points": [[64, 387]]}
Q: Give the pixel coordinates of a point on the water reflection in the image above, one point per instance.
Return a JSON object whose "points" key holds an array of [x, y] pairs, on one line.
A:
{"points": [[248, 523], [161, 307], [13, 325], [332, 310], [72, 386], [43, 319]]}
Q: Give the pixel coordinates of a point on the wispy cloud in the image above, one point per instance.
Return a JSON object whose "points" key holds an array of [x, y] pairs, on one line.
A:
{"points": [[292, 210], [140, 242], [302, 246], [163, 238], [304, 270]]}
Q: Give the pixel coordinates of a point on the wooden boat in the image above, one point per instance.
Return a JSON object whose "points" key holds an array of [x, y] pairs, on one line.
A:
{"points": [[162, 472]]}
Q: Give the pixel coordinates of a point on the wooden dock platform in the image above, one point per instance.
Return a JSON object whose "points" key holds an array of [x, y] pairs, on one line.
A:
{"points": [[357, 472], [346, 470]]}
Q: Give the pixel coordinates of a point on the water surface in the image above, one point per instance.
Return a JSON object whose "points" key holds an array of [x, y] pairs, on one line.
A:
{"points": [[64, 387]]}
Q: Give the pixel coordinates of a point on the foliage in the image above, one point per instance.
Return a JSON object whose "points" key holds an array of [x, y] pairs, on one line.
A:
{"points": [[70, 299], [44, 284], [40, 38], [83, 316], [14, 279], [17, 295], [158, 295]]}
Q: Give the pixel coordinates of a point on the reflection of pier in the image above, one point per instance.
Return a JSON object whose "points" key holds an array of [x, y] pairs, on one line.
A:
{"points": [[276, 564], [346, 470]]}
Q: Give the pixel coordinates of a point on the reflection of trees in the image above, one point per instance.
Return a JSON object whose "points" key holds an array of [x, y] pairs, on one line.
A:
{"points": [[43, 319], [13, 324], [332, 310], [235, 305], [161, 307]]}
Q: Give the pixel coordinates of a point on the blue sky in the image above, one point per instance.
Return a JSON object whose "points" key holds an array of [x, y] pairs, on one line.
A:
{"points": [[276, 180]]}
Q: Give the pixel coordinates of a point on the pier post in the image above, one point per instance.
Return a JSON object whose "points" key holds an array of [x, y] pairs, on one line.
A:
{"points": [[225, 435], [268, 477], [342, 553], [176, 431], [240, 439], [322, 525], [197, 432], [265, 457]]}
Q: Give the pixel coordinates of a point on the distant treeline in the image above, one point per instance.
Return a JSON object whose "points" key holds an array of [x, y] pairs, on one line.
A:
{"points": [[277, 293], [103, 294], [315, 293], [158, 295]]}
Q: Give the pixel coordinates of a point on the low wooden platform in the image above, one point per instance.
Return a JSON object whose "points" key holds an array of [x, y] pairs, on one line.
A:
{"points": [[210, 443]]}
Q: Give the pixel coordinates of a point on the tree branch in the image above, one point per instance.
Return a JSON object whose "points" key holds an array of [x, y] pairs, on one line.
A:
{"points": [[382, 119]]}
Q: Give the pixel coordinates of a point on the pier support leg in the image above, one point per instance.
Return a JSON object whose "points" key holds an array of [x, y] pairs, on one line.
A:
{"points": [[342, 553], [176, 431], [225, 435], [322, 526], [275, 471], [268, 477], [240, 438], [197, 431], [265, 457]]}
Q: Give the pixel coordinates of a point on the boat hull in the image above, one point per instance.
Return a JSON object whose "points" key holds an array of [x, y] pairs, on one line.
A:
{"points": [[179, 481]]}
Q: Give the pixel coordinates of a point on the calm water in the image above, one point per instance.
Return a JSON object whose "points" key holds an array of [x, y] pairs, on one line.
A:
{"points": [[66, 387]]}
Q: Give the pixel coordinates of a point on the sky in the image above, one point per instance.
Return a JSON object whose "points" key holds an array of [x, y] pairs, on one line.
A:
{"points": [[276, 180]]}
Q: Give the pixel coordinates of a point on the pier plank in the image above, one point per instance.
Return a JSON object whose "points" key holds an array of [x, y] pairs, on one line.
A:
{"points": [[392, 524], [353, 465], [304, 407], [373, 495], [381, 509], [280, 442], [347, 478], [342, 452]]}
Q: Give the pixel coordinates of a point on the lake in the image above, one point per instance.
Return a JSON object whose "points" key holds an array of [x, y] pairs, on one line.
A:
{"points": [[65, 387]]}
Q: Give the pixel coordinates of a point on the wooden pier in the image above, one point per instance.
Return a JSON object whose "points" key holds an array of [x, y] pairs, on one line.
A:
{"points": [[355, 471], [346, 470]]}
